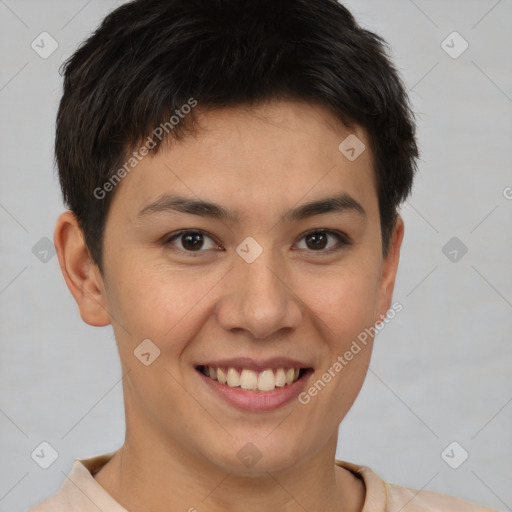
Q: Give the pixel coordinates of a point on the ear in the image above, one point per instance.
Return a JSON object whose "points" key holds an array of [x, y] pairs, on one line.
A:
{"points": [[80, 272], [389, 269]]}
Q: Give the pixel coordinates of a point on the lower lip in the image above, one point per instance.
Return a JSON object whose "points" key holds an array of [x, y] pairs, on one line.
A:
{"points": [[256, 400]]}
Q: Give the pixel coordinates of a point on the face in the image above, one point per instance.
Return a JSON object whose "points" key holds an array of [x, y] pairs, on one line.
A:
{"points": [[251, 252]]}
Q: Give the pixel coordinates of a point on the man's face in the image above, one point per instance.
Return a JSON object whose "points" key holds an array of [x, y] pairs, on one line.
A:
{"points": [[270, 286]]}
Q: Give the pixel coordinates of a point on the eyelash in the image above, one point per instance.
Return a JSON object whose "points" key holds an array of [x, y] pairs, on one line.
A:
{"points": [[343, 241]]}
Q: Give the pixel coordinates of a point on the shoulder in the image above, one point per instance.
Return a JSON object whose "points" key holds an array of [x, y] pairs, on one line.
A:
{"points": [[80, 491], [413, 500], [386, 497], [57, 503]]}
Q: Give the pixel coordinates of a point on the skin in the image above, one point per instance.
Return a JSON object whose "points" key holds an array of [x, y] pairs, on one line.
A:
{"points": [[294, 300]]}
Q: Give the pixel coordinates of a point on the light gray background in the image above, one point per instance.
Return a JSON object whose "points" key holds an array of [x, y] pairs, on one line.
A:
{"points": [[441, 371]]}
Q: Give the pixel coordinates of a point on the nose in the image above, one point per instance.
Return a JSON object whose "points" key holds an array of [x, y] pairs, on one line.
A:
{"points": [[259, 299]]}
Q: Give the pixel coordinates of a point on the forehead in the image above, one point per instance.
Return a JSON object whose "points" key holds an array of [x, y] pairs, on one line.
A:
{"points": [[256, 158]]}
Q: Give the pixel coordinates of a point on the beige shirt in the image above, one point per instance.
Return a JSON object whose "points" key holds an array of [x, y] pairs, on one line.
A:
{"points": [[81, 493]]}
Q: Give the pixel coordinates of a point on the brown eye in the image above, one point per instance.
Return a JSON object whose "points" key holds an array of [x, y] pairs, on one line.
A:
{"points": [[192, 241], [321, 241], [316, 241]]}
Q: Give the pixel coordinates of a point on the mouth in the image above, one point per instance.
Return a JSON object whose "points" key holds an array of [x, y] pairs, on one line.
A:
{"points": [[251, 380], [257, 388]]}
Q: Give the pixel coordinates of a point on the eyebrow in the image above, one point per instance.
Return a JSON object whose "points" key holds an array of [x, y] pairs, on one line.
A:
{"points": [[172, 204]]}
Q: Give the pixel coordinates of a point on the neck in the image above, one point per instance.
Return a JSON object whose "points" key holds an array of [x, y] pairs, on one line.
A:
{"points": [[151, 473], [142, 479]]}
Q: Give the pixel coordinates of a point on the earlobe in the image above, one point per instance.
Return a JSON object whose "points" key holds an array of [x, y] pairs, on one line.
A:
{"points": [[389, 268], [80, 272]]}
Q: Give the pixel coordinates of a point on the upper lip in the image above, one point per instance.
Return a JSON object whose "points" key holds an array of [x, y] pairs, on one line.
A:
{"points": [[256, 365]]}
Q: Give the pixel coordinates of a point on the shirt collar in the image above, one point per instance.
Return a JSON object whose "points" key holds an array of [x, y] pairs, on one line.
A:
{"points": [[86, 494]]}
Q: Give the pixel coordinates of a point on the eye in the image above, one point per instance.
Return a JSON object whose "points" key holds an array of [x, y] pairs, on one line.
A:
{"points": [[192, 241], [321, 241], [318, 241]]}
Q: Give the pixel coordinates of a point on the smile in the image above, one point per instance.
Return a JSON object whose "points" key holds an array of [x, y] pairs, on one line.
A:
{"points": [[261, 387], [250, 380]]}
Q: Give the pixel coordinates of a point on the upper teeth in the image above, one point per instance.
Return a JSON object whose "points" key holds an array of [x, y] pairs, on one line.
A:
{"points": [[267, 380]]}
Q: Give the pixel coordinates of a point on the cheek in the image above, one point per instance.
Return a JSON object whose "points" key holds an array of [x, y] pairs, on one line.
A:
{"points": [[155, 302], [345, 301], [345, 304]]}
